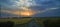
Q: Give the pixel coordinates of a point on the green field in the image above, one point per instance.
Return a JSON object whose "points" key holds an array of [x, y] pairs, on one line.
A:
{"points": [[17, 21], [40, 21], [28, 21]]}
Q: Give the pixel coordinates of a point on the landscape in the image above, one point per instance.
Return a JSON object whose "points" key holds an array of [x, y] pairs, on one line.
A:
{"points": [[32, 22], [29, 13]]}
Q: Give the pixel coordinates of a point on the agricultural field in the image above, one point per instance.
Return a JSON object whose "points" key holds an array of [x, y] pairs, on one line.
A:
{"points": [[17, 21], [29, 22], [41, 21]]}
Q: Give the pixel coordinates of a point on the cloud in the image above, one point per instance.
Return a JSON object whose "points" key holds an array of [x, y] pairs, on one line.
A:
{"points": [[27, 3], [12, 6], [20, 13], [48, 9]]}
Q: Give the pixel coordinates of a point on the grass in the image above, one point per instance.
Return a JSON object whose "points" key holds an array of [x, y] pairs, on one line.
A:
{"points": [[41, 20], [17, 21], [26, 20]]}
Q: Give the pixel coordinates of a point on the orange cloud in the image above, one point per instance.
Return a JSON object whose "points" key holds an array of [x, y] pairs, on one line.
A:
{"points": [[25, 12]]}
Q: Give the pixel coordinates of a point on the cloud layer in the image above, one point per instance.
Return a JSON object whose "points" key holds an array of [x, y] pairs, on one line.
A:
{"points": [[40, 6]]}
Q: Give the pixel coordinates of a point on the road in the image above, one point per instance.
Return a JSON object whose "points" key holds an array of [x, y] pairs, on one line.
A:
{"points": [[32, 23]]}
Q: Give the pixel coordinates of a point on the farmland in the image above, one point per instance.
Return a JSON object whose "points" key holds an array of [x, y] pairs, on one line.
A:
{"points": [[17, 21], [29, 22]]}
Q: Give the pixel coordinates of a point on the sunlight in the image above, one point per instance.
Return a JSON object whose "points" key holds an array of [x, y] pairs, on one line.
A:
{"points": [[27, 13]]}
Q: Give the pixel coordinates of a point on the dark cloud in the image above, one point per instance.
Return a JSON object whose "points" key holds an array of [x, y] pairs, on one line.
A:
{"points": [[52, 13]]}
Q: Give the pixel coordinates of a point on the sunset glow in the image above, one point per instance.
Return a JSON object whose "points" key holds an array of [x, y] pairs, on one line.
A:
{"points": [[24, 13], [27, 13], [23, 6]]}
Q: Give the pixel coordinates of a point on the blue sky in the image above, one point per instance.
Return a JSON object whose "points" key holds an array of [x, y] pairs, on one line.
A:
{"points": [[47, 8]]}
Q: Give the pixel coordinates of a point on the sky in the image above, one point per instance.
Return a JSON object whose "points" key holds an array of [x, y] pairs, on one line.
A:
{"points": [[29, 8]]}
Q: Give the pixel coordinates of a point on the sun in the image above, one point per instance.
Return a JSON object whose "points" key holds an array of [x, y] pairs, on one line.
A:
{"points": [[26, 13]]}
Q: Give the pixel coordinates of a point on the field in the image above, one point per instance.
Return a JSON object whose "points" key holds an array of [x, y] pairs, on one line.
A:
{"points": [[17, 21], [29, 22], [40, 21], [26, 20]]}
